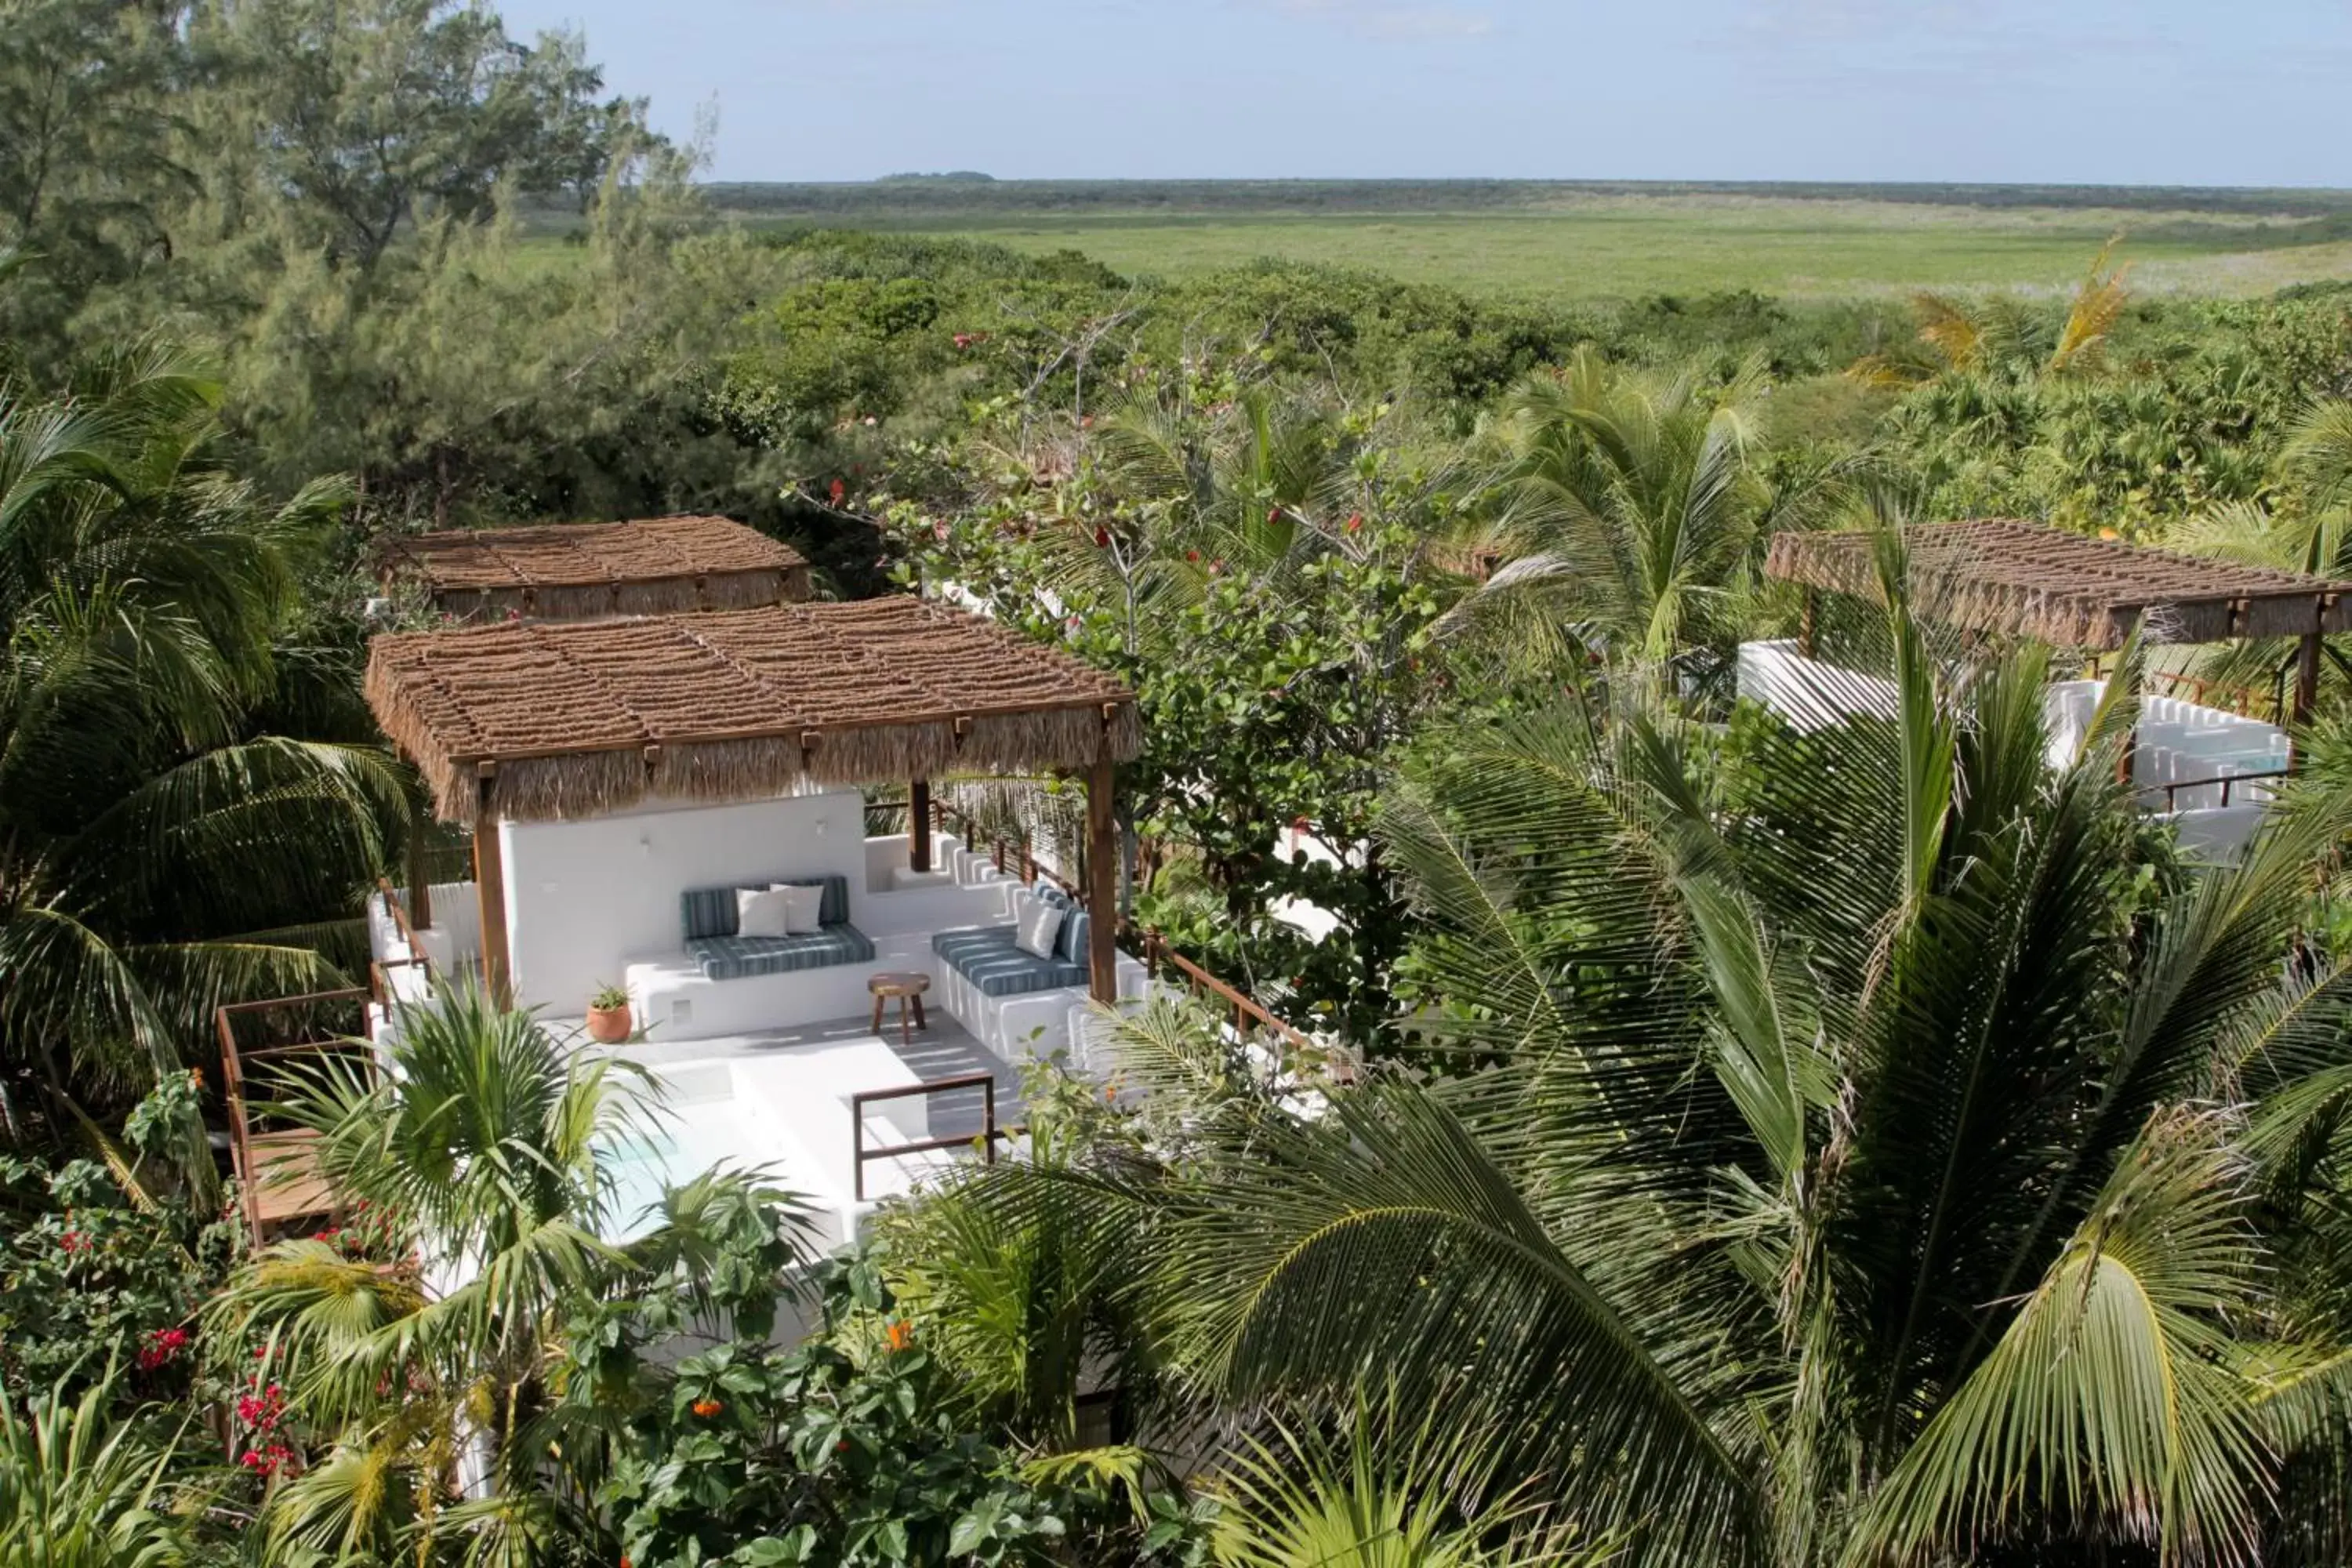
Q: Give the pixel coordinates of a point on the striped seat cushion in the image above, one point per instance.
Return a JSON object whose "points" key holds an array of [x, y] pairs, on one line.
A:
{"points": [[710, 911], [987, 957], [737, 957]]}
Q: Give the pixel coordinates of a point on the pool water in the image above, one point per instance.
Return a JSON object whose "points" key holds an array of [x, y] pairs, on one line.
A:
{"points": [[699, 1125]]}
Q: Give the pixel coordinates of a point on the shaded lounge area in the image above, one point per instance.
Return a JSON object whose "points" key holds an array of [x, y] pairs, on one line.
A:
{"points": [[610, 770], [2210, 770]]}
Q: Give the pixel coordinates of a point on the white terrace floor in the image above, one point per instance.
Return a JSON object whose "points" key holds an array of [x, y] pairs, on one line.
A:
{"points": [[779, 1100]]}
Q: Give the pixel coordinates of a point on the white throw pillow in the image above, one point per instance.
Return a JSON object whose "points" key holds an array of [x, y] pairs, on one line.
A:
{"points": [[803, 908], [763, 911], [1037, 924]]}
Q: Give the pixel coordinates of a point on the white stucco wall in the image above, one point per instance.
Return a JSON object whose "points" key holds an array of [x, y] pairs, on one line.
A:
{"points": [[584, 896]]}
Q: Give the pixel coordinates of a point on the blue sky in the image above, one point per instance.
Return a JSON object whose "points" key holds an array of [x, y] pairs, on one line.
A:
{"points": [[2157, 92]]}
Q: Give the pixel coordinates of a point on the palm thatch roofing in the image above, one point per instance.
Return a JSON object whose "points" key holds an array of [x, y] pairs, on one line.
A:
{"points": [[535, 720], [584, 570], [2031, 580]]}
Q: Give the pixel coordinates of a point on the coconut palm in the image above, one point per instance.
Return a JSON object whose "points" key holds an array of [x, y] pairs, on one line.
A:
{"points": [[2005, 337], [1824, 1164], [161, 848], [1632, 515]]}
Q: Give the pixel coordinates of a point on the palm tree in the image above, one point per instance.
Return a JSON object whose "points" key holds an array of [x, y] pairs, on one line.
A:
{"points": [[161, 848], [1632, 515], [1823, 1161], [1383, 1496], [2006, 338], [480, 1165]]}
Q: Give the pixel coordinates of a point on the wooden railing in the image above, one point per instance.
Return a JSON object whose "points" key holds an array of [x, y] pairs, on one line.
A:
{"points": [[2228, 698], [395, 900], [1249, 1015], [301, 1012], [1011, 855], [986, 1138]]}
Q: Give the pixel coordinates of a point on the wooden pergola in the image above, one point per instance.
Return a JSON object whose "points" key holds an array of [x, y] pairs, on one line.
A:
{"points": [[589, 570], [2006, 577], [547, 721]]}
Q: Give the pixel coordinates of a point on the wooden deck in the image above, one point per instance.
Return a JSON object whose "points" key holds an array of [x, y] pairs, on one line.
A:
{"points": [[284, 1180]]}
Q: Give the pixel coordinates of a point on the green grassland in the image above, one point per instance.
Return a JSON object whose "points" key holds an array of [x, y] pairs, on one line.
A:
{"points": [[1573, 242]]}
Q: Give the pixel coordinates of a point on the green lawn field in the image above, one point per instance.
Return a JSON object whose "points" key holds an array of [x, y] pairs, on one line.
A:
{"points": [[1584, 245]]}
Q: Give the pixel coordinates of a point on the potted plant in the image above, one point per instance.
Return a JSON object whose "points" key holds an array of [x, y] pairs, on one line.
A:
{"points": [[608, 1014]]}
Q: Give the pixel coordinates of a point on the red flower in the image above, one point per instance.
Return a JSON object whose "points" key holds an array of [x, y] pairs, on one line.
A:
{"points": [[707, 1409], [1355, 521], [73, 1241], [837, 491], [1192, 555], [1102, 538], [161, 1346]]}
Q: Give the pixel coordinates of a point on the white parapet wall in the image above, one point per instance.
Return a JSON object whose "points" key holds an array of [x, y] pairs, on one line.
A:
{"points": [[2181, 751]]}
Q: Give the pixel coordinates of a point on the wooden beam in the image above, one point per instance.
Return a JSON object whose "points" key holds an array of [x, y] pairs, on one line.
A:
{"points": [[1808, 625], [919, 825], [490, 886], [1102, 882]]}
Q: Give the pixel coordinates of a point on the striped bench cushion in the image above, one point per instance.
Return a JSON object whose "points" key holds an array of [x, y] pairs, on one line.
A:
{"points": [[710, 911], [737, 957], [987, 957]]}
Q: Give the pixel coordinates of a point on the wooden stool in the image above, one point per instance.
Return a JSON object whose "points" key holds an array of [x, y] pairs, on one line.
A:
{"points": [[909, 989]]}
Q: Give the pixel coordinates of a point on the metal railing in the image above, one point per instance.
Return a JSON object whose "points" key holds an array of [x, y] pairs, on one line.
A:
{"points": [[2171, 798], [986, 1138]]}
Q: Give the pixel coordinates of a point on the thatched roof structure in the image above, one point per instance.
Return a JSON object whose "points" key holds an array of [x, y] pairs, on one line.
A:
{"points": [[575, 720], [2031, 580], [587, 571]]}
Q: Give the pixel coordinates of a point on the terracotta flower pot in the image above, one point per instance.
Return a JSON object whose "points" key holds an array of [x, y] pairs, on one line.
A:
{"points": [[609, 1025]]}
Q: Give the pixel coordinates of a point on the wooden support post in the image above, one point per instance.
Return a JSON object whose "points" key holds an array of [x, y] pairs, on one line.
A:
{"points": [[2126, 672], [2306, 694], [420, 880], [1102, 883], [919, 825], [490, 886], [2306, 679], [1806, 628]]}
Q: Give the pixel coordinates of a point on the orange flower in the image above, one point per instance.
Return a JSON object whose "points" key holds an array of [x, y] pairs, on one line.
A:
{"points": [[901, 1334], [707, 1409]]}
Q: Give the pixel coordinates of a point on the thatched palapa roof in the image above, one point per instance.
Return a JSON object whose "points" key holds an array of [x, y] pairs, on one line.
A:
{"points": [[576, 720], [2031, 580], [584, 570]]}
